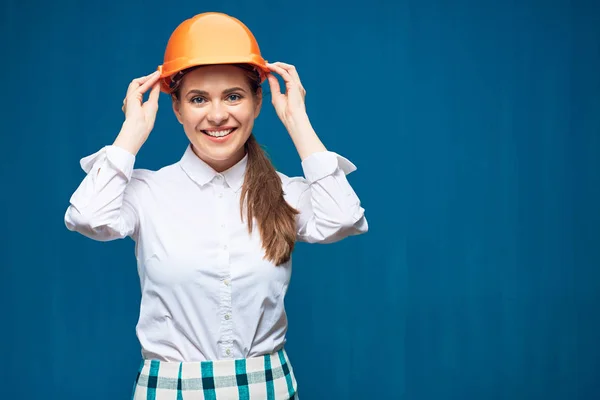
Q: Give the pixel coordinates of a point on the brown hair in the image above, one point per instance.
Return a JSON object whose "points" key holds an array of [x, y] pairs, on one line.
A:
{"points": [[262, 194]]}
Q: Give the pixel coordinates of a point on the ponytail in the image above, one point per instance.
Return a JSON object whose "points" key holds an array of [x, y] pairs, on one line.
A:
{"points": [[262, 195]]}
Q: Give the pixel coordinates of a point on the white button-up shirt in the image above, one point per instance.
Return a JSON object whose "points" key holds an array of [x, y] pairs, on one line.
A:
{"points": [[207, 291]]}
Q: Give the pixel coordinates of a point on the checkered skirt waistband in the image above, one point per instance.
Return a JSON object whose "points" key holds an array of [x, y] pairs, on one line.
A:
{"points": [[269, 377]]}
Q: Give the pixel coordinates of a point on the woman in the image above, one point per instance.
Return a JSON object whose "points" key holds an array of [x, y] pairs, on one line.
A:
{"points": [[215, 231]]}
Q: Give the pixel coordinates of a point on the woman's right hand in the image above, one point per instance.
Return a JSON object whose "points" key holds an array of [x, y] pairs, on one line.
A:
{"points": [[139, 116]]}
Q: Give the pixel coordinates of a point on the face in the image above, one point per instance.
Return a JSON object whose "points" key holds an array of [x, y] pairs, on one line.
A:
{"points": [[217, 110]]}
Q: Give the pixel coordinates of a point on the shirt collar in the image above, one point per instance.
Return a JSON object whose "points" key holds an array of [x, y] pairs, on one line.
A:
{"points": [[202, 173]]}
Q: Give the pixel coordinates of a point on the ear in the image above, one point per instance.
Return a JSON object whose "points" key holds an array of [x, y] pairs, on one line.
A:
{"points": [[177, 108], [259, 97]]}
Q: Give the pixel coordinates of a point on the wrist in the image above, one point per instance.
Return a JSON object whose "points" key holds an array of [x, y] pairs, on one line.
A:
{"points": [[131, 137], [304, 136], [296, 124]]}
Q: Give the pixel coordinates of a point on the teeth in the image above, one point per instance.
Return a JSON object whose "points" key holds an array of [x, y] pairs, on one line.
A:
{"points": [[218, 133]]}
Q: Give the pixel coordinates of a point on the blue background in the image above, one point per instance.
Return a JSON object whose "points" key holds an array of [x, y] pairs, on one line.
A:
{"points": [[475, 126]]}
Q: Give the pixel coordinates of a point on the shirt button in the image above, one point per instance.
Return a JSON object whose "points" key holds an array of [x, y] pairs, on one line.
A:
{"points": [[226, 282], [228, 352], [227, 316]]}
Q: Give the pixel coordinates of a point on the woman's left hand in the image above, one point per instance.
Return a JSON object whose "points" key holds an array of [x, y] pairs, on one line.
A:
{"points": [[290, 106]]}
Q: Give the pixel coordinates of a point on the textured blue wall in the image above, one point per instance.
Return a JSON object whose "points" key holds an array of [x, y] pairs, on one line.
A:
{"points": [[475, 126]]}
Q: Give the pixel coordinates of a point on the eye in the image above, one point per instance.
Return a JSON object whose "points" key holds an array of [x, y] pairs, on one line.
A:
{"points": [[197, 100], [234, 97]]}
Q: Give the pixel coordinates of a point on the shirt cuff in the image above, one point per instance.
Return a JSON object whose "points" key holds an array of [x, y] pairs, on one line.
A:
{"points": [[324, 163], [118, 157]]}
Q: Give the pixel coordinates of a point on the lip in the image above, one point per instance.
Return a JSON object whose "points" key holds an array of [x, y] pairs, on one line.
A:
{"points": [[219, 139], [220, 128]]}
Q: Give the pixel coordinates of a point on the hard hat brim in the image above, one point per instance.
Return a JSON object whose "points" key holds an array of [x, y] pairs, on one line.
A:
{"points": [[168, 69]]}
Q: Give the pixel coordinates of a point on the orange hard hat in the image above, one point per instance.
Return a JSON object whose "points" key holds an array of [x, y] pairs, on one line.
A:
{"points": [[210, 38]]}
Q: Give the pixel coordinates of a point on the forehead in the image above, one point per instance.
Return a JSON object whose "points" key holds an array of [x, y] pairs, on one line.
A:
{"points": [[215, 77]]}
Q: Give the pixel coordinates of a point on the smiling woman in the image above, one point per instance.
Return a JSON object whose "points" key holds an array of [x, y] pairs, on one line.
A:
{"points": [[215, 231], [217, 106]]}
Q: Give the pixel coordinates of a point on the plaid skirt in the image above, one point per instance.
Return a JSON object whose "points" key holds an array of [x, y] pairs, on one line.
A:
{"points": [[269, 377]]}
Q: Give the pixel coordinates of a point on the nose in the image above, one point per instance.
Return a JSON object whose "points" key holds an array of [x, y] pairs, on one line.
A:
{"points": [[217, 114]]}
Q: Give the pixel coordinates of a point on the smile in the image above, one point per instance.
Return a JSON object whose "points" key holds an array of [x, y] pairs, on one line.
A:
{"points": [[218, 133]]}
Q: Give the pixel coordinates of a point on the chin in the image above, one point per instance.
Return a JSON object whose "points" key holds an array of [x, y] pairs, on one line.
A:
{"points": [[217, 152]]}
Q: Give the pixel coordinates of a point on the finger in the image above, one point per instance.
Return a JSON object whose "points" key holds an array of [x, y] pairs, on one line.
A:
{"points": [[291, 83], [148, 84], [153, 97], [276, 96], [290, 69], [150, 80], [136, 83], [274, 84], [283, 73]]}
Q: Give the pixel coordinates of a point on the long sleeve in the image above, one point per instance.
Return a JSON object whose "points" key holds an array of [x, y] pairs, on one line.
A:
{"points": [[329, 208], [103, 206]]}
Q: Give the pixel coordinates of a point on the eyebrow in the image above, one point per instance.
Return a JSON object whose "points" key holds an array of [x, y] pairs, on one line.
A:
{"points": [[205, 93]]}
